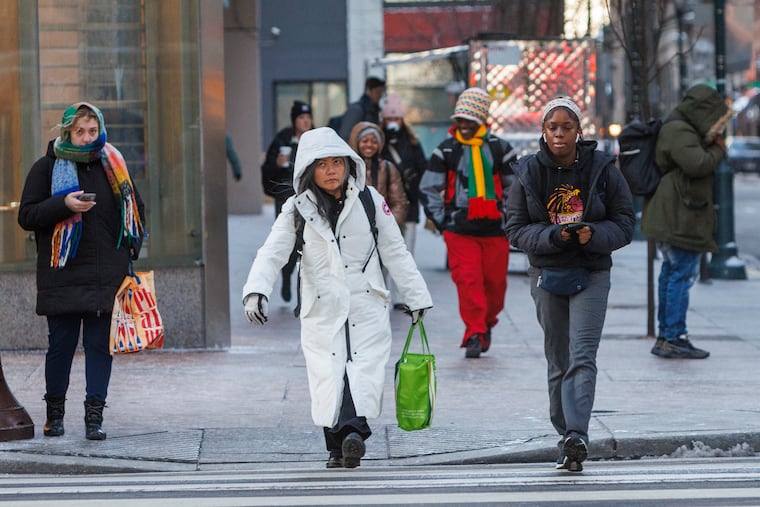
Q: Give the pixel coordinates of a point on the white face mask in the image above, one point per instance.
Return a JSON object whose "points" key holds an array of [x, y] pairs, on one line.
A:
{"points": [[392, 126]]}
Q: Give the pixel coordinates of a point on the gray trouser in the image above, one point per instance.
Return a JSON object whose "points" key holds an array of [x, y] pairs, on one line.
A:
{"points": [[572, 329]]}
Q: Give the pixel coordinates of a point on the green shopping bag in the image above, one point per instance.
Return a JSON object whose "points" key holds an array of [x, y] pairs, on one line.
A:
{"points": [[415, 384]]}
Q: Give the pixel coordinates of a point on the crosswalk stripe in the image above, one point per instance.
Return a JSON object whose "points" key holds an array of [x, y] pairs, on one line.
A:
{"points": [[502, 484], [414, 498]]}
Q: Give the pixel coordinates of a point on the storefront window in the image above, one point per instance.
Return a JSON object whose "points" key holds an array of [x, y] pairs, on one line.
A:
{"points": [[327, 99], [138, 62]]}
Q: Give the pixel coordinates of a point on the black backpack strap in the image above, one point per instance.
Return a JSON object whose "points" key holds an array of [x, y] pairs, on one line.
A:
{"points": [[298, 247], [369, 208]]}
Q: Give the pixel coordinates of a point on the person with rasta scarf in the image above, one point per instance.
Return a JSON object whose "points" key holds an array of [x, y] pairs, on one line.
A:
{"points": [[568, 209], [464, 192], [86, 215]]}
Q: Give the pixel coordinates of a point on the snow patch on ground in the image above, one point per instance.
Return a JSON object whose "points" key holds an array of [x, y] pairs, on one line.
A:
{"points": [[700, 450]]}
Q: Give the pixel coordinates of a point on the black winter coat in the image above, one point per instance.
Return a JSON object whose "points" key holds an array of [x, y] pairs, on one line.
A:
{"points": [[278, 181], [89, 281], [412, 165], [608, 209]]}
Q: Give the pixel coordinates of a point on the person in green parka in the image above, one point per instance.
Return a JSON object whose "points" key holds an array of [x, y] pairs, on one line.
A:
{"points": [[680, 216]]}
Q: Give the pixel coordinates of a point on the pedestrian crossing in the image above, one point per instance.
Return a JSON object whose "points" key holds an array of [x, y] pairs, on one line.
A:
{"points": [[677, 482]]}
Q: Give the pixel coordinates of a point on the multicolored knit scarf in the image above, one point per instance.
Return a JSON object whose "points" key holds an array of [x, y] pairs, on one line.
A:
{"points": [[481, 190], [67, 233]]}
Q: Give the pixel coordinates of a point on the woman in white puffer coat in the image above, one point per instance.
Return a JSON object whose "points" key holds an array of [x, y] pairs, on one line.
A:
{"points": [[345, 317]]}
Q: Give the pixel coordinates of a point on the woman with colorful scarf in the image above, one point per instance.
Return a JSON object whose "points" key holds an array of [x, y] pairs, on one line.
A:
{"points": [[569, 208], [86, 215], [464, 194]]}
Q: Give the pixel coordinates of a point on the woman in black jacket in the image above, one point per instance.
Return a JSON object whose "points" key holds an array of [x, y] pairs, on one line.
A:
{"points": [[277, 173], [87, 220], [568, 209]]}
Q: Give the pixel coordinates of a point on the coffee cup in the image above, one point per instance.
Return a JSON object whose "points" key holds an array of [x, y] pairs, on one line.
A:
{"points": [[286, 150]]}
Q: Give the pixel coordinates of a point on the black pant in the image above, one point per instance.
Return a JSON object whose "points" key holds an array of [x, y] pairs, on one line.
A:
{"points": [[348, 422], [63, 339], [287, 269]]}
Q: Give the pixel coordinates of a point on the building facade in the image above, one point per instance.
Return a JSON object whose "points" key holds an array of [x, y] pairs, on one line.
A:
{"points": [[156, 69]]}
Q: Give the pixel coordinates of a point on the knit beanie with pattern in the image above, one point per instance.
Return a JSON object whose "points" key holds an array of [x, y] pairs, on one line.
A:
{"points": [[473, 104]]}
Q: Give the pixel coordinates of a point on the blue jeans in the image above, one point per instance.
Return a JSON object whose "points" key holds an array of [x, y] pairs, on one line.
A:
{"points": [[63, 339], [679, 271]]}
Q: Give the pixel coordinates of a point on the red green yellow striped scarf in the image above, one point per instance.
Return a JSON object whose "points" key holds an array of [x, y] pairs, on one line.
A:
{"points": [[481, 189]]}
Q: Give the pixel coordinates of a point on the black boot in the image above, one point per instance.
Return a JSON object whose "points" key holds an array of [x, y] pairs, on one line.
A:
{"points": [[56, 407], [93, 419]]}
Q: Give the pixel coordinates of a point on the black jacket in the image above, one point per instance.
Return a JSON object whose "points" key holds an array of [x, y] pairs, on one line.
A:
{"points": [[361, 110], [608, 209], [89, 281], [444, 186], [278, 181], [412, 165]]}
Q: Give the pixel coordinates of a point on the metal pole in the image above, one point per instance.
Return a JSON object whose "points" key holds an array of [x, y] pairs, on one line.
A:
{"points": [[15, 423], [682, 70], [725, 264], [639, 86]]}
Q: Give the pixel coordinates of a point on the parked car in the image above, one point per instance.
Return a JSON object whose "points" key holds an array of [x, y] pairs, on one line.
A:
{"points": [[743, 154]]}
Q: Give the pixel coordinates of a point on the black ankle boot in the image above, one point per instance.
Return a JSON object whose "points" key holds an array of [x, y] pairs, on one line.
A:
{"points": [[93, 419], [56, 407]]}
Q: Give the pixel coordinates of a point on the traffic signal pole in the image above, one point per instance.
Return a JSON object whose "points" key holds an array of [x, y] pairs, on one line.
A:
{"points": [[725, 264]]}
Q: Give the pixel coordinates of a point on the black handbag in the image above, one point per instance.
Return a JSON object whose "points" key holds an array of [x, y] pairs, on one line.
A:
{"points": [[563, 281]]}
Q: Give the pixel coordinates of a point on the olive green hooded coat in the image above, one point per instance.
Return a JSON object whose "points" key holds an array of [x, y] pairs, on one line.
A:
{"points": [[681, 212]]}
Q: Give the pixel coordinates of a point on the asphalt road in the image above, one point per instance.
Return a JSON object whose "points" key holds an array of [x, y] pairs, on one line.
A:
{"points": [[746, 213], [673, 482]]}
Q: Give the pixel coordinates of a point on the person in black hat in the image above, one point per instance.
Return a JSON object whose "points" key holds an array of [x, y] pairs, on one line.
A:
{"points": [[367, 108], [277, 172]]}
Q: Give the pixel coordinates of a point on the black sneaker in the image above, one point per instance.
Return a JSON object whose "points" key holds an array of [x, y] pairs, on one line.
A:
{"points": [[335, 460], [574, 453], [564, 463], [473, 347], [657, 346], [353, 450], [486, 341], [680, 348], [683, 341]]}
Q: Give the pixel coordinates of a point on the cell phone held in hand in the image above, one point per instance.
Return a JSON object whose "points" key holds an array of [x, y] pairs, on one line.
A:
{"points": [[573, 227], [87, 196]]}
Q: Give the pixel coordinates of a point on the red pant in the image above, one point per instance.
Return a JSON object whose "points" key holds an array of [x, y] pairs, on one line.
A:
{"points": [[479, 269]]}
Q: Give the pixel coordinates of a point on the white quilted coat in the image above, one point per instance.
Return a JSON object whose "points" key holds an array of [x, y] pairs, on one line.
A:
{"points": [[334, 289]]}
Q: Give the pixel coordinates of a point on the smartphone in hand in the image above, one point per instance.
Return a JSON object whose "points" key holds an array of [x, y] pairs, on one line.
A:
{"points": [[87, 196], [573, 227]]}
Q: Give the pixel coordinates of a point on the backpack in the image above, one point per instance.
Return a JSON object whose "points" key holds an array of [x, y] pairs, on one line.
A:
{"points": [[638, 141], [369, 208]]}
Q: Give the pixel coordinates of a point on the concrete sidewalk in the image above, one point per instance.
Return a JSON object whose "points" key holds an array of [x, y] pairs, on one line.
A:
{"points": [[248, 406]]}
